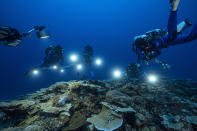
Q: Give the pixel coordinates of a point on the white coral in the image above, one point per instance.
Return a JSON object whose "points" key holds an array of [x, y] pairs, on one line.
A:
{"points": [[106, 121], [62, 100]]}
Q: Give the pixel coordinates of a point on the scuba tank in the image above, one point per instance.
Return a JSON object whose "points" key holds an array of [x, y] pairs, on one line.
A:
{"points": [[184, 25], [158, 33], [143, 42], [148, 37]]}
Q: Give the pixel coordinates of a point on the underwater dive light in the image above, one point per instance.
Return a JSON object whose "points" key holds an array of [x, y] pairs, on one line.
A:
{"points": [[152, 78], [73, 57], [62, 70], [79, 67], [35, 72], [117, 73], [98, 62], [55, 67]]}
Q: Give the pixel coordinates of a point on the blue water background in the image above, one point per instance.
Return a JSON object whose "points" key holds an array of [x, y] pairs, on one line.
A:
{"points": [[108, 25]]}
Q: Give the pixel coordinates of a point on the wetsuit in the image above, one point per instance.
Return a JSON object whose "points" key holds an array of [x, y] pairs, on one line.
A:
{"points": [[87, 59], [9, 34], [172, 38], [54, 55]]}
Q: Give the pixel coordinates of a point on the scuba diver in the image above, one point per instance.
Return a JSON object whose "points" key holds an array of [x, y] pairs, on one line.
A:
{"points": [[88, 55], [87, 60], [149, 46], [133, 71], [53, 58], [12, 37]]}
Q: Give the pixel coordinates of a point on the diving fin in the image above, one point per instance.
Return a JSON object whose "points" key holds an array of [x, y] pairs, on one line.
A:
{"points": [[184, 25]]}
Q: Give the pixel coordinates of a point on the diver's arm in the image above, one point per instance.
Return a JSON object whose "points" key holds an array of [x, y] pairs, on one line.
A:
{"points": [[32, 30], [172, 21], [28, 33]]}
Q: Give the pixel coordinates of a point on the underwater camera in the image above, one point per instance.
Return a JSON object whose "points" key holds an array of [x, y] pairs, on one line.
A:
{"points": [[42, 32]]}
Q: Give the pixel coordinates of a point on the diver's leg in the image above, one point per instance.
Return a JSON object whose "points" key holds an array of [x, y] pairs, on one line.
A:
{"points": [[183, 38], [172, 26], [174, 4], [172, 21], [193, 34]]}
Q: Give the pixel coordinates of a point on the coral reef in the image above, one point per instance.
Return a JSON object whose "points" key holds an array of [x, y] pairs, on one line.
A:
{"points": [[106, 120], [119, 105]]}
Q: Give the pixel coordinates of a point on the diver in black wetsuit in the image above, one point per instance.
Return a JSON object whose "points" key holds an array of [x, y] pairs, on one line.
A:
{"points": [[12, 37], [133, 71], [149, 46], [88, 55], [53, 57], [87, 60]]}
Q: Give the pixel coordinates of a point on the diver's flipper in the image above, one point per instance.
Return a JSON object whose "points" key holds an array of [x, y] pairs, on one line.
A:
{"points": [[184, 25]]}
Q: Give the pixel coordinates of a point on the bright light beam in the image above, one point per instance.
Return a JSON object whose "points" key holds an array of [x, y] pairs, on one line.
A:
{"points": [[35, 72], [55, 67], [62, 70], [79, 67], [73, 57], [152, 79], [98, 62], [44, 37], [117, 73]]}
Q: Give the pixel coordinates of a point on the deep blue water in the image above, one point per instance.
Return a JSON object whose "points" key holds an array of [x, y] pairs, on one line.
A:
{"points": [[108, 25]]}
